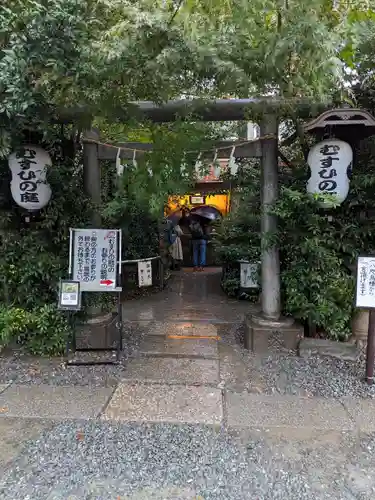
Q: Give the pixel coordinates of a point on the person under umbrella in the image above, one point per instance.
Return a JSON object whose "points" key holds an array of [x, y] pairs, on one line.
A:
{"points": [[199, 243], [176, 247]]}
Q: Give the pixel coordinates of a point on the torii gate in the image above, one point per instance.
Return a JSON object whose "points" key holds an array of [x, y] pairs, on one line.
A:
{"points": [[260, 327]]}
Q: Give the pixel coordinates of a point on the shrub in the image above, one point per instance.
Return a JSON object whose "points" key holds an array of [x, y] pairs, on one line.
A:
{"points": [[14, 322], [316, 246]]}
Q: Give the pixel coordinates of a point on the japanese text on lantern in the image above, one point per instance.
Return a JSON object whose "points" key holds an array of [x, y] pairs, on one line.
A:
{"points": [[28, 184], [327, 173]]}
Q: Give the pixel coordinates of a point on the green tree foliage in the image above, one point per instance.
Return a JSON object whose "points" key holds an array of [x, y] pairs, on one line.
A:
{"points": [[101, 55], [238, 236], [97, 56]]}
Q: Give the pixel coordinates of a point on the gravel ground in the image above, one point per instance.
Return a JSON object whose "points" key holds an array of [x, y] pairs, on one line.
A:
{"points": [[111, 461], [285, 373], [22, 369], [279, 372], [319, 376]]}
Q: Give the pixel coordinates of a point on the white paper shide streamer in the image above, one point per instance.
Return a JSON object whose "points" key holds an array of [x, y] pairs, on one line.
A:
{"points": [[119, 165], [216, 166], [232, 164], [198, 168]]}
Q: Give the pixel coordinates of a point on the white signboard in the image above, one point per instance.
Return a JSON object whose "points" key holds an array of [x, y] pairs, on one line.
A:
{"points": [[144, 273], [95, 258], [330, 163], [249, 275], [365, 294], [197, 200], [29, 186]]}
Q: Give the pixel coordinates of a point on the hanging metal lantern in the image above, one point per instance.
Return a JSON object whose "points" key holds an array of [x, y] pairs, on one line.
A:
{"points": [[29, 187]]}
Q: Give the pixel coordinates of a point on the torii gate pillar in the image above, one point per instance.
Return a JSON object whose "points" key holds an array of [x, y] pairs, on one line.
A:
{"points": [[269, 328], [270, 264]]}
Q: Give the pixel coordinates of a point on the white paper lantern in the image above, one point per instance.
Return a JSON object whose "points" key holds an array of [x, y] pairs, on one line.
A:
{"points": [[330, 163], [29, 187]]}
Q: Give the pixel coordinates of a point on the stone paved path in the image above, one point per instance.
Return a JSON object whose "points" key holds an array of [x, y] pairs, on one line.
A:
{"points": [[185, 420]]}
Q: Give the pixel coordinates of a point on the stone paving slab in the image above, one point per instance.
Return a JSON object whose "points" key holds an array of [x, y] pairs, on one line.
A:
{"points": [[236, 375], [178, 326], [309, 347], [182, 328], [156, 346], [45, 401], [259, 410], [15, 433], [165, 403], [362, 412], [172, 370], [197, 329]]}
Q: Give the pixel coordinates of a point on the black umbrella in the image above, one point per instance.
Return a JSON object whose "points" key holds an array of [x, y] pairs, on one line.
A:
{"points": [[206, 211]]}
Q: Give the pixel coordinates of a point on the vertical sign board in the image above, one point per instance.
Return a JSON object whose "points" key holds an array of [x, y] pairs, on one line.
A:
{"points": [[249, 274], [144, 273], [365, 293], [94, 258], [365, 298]]}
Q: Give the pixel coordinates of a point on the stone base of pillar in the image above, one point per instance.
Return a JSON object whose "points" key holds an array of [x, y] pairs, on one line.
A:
{"points": [[262, 334], [98, 332]]}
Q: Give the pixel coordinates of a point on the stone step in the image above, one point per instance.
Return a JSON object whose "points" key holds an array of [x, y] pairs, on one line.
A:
{"points": [[155, 346]]}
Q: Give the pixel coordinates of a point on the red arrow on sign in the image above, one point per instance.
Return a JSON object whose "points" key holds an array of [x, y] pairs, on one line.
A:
{"points": [[106, 282]]}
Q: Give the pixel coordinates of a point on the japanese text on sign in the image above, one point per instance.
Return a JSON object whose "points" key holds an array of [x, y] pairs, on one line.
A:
{"points": [[95, 259], [365, 296], [144, 273], [249, 275]]}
